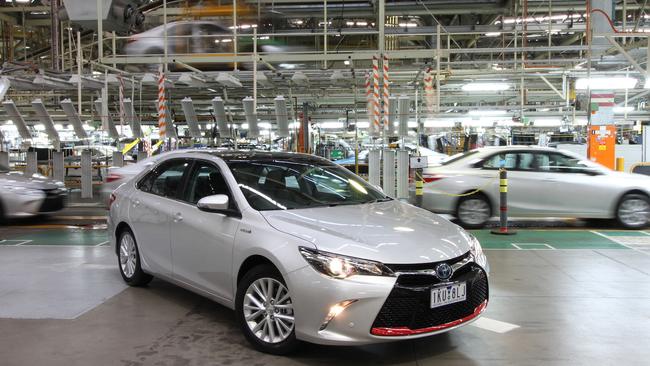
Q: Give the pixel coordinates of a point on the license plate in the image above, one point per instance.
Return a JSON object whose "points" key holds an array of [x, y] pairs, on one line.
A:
{"points": [[448, 294]]}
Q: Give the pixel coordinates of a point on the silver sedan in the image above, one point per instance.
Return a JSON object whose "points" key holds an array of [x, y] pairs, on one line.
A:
{"points": [[542, 182], [22, 196], [299, 247]]}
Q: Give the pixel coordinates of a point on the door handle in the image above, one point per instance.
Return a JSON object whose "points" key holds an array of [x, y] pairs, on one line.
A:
{"points": [[178, 217]]}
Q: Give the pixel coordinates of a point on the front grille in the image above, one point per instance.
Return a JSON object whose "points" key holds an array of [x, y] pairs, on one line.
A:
{"points": [[54, 201], [425, 266], [409, 303]]}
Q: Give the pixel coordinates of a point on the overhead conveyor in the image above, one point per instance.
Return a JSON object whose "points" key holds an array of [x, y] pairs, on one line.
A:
{"points": [[101, 109], [134, 120], [46, 120], [220, 117], [73, 118], [190, 117], [17, 118], [251, 117]]}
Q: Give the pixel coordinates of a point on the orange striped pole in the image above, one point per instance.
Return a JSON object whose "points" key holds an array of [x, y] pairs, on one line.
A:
{"points": [[375, 100], [386, 95], [162, 106]]}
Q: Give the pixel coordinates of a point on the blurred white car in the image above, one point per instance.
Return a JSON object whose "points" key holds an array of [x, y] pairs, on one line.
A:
{"points": [[542, 182], [22, 196]]}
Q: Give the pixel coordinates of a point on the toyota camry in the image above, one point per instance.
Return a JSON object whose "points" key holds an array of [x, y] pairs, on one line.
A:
{"points": [[299, 247]]}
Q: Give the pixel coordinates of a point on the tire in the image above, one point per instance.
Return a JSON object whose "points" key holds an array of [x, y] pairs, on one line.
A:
{"points": [[474, 211], [633, 211], [128, 260], [255, 328]]}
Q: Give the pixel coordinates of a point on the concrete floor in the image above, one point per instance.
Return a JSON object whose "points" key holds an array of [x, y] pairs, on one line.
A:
{"points": [[67, 305]]}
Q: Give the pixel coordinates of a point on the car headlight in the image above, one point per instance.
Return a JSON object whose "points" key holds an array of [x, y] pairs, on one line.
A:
{"points": [[477, 251], [340, 266]]}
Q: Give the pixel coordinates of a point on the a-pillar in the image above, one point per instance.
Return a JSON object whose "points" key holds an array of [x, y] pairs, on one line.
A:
{"points": [[86, 175], [58, 168], [118, 159], [389, 173], [31, 163]]}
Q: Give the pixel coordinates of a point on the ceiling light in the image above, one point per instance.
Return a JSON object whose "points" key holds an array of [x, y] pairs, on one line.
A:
{"points": [[492, 34], [346, 62], [610, 83], [331, 125], [485, 112], [471, 87]]}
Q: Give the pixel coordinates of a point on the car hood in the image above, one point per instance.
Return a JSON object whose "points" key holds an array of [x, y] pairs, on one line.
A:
{"points": [[389, 232], [34, 182]]}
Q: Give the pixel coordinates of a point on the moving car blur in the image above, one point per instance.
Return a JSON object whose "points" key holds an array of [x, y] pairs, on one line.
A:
{"points": [[542, 182], [22, 196]]}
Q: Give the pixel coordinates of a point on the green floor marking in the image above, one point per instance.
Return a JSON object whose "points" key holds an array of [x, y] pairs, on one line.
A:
{"points": [[61, 237], [558, 239]]}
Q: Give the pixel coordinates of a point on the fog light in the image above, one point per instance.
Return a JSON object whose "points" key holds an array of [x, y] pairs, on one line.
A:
{"points": [[334, 311]]}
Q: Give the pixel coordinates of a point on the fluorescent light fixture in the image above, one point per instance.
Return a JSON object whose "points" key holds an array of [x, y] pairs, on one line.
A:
{"points": [[483, 86], [547, 122], [331, 125], [621, 110], [226, 79], [485, 113], [346, 62], [299, 76], [492, 34], [363, 124], [610, 83]]}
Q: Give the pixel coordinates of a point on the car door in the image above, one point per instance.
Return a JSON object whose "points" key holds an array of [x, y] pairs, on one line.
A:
{"points": [[202, 242], [575, 189], [150, 215]]}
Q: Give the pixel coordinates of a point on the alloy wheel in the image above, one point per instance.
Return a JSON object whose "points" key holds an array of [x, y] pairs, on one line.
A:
{"points": [[474, 211], [128, 255], [634, 212], [268, 310]]}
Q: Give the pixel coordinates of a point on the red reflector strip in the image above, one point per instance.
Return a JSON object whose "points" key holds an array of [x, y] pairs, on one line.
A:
{"points": [[405, 331], [113, 177]]}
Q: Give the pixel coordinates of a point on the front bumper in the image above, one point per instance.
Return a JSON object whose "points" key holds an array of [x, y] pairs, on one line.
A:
{"points": [[386, 308]]}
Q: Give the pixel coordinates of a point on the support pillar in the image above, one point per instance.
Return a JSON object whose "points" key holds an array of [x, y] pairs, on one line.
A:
{"points": [[4, 159], [86, 175], [118, 159], [31, 163], [645, 157], [374, 168], [402, 175], [389, 173], [58, 168], [142, 155]]}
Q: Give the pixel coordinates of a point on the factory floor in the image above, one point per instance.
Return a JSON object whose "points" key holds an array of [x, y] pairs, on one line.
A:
{"points": [[559, 296]]}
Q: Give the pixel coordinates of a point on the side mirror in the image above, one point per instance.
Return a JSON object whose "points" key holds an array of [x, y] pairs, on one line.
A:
{"points": [[215, 203]]}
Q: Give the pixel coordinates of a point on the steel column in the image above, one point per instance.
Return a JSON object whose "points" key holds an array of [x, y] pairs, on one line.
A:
{"points": [[31, 163], [374, 167], [388, 181], [58, 166], [86, 174]]}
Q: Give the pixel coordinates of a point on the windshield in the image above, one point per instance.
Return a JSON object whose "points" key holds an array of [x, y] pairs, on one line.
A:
{"points": [[459, 156], [284, 185]]}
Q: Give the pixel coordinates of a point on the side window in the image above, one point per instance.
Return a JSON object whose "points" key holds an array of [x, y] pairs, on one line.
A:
{"points": [[206, 180], [165, 180], [565, 164], [527, 161], [494, 161]]}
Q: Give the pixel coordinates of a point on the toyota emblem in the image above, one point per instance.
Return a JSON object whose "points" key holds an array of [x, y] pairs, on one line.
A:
{"points": [[444, 271]]}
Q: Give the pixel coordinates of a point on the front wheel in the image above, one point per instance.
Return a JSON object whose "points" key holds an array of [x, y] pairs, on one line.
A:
{"points": [[129, 261], [474, 211], [633, 212], [265, 311]]}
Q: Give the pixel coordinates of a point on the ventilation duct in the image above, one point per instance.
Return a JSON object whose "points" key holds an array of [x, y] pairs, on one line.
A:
{"points": [[190, 117], [251, 117], [281, 116], [220, 116]]}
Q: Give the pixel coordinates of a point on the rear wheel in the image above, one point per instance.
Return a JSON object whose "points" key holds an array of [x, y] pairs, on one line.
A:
{"points": [[129, 261], [474, 211], [265, 311], [633, 212]]}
